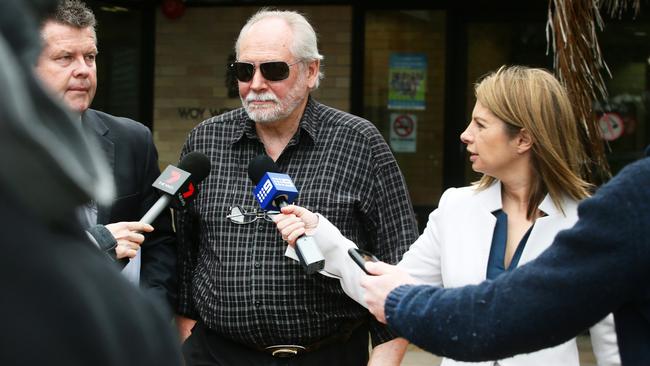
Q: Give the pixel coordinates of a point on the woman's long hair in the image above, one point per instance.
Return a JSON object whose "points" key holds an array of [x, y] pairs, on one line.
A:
{"points": [[533, 99]]}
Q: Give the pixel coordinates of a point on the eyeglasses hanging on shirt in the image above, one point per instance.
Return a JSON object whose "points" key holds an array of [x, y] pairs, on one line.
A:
{"points": [[240, 216]]}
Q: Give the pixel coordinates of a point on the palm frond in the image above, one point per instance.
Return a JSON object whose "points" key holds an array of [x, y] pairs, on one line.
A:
{"points": [[578, 63], [616, 8]]}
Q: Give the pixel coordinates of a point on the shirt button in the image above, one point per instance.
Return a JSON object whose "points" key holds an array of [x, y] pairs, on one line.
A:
{"points": [[260, 228], [258, 264], [257, 303]]}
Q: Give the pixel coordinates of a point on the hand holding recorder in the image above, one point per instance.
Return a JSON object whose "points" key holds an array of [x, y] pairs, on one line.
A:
{"points": [[369, 290]]}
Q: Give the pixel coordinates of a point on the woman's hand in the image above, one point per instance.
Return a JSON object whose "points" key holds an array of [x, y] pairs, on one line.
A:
{"points": [[294, 221]]}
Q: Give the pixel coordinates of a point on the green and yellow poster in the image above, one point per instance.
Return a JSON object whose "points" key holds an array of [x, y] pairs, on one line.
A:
{"points": [[407, 80]]}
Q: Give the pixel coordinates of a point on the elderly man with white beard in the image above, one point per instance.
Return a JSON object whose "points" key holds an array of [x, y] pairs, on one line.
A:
{"points": [[242, 301]]}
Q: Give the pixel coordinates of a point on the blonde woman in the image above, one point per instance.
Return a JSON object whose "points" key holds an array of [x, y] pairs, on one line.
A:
{"points": [[523, 138]]}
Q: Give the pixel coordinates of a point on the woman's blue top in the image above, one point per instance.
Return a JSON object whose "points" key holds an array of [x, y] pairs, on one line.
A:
{"points": [[496, 265]]}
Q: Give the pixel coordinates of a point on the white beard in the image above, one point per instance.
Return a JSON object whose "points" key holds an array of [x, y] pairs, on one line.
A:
{"points": [[280, 109]]}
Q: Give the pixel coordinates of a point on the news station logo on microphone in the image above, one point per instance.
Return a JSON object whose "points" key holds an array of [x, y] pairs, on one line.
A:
{"points": [[274, 188], [171, 180]]}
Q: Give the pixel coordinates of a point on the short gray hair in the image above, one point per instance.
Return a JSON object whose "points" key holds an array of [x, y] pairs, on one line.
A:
{"points": [[73, 13], [304, 43]]}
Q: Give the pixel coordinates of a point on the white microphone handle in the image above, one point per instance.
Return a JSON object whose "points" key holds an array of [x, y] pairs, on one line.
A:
{"points": [[156, 209]]}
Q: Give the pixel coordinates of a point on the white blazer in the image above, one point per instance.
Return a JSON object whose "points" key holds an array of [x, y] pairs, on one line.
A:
{"points": [[453, 251]]}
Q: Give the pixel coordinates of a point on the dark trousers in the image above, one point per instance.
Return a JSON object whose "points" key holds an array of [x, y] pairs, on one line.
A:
{"points": [[207, 348]]}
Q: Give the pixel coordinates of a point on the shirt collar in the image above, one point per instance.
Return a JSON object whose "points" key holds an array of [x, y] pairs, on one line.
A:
{"points": [[491, 200], [308, 123]]}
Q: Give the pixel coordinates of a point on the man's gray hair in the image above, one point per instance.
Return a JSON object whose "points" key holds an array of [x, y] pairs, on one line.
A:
{"points": [[304, 43], [73, 13]]}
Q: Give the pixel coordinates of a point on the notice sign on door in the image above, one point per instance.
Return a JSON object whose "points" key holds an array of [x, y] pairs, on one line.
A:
{"points": [[403, 132], [407, 81]]}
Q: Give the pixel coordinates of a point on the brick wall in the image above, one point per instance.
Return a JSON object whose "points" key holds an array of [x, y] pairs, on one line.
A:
{"points": [[190, 70]]}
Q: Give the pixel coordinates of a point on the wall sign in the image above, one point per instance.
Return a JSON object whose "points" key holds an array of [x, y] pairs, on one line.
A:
{"points": [[403, 132], [407, 80], [611, 126], [200, 113]]}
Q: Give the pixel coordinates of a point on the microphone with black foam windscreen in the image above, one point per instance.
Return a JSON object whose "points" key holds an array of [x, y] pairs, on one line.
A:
{"points": [[178, 184], [274, 190]]}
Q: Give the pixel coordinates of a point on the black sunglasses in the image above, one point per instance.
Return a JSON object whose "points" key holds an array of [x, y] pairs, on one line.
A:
{"points": [[272, 70]]}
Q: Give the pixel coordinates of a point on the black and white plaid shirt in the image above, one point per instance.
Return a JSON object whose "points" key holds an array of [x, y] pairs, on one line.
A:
{"points": [[236, 278]]}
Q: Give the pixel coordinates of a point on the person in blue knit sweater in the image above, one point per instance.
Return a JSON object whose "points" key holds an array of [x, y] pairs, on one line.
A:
{"points": [[600, 265]]}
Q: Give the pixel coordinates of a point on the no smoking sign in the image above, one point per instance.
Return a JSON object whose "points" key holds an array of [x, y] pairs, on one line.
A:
{"points": [[403, 132], [611, 126]]}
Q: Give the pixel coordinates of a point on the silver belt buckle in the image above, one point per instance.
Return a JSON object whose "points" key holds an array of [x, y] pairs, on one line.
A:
{"points": [[285, 350]]}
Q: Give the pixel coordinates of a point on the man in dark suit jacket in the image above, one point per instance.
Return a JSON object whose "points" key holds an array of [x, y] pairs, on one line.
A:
{"points": [[67, 67], [130, 152]]}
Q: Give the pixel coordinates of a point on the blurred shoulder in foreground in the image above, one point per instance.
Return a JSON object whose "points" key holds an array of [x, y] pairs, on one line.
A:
{"points": [[63, 302]]}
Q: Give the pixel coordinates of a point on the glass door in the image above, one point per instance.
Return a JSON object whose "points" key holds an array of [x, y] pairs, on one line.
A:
{"points": [[404, 94]]}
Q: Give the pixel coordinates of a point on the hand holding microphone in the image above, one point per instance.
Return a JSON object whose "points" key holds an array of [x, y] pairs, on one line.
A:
{"points": [[274, 191], [295, 222], [128, 237], [178, 187]]}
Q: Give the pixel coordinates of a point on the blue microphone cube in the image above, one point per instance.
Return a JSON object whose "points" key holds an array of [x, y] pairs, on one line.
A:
{"points": [[274, 187]]}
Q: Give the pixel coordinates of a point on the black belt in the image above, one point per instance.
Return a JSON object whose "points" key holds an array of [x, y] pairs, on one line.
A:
{"points": [[292, 350]]}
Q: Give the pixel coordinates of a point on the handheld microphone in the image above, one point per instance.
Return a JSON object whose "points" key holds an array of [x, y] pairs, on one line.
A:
{"points": [[178, 184], [274, 190]]}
